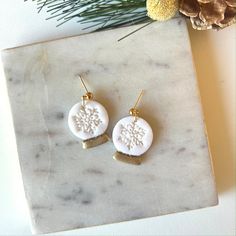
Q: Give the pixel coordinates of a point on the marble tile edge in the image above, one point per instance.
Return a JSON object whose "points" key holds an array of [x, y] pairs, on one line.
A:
{"points": [[199, 97], [37, 231], [78, 35]]}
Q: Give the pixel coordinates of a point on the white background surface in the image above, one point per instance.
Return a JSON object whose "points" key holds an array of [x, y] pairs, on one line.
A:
{"points": [[214, 55]]}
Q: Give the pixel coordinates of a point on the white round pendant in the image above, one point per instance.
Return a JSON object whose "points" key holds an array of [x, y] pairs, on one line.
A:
{"points": [[132, 136], [88, 120]]}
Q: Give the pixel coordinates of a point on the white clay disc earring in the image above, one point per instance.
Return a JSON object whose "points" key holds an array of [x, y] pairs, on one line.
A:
{"points": [[88, 120], [132, 137]]}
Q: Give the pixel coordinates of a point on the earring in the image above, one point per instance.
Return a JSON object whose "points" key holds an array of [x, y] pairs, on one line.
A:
{"points": [[132, 136], [88, 120]]}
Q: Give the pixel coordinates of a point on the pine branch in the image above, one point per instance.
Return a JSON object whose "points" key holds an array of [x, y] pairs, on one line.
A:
{"points": [[96, 14]]}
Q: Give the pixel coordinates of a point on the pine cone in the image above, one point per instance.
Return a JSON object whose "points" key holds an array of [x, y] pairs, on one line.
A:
{"points": [[209, 14]]}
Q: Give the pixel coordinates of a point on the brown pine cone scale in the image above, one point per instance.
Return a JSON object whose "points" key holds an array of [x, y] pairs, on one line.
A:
{"points": [[209, 14]]}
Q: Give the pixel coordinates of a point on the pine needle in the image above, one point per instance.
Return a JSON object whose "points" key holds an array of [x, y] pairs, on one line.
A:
{"points": [[95, 14]]}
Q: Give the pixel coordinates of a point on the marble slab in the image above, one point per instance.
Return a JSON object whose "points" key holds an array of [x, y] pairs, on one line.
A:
{"points": [[68, 187]]}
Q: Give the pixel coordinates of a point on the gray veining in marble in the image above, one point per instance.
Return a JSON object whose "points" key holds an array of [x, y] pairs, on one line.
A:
{"points": [[68, 187]]}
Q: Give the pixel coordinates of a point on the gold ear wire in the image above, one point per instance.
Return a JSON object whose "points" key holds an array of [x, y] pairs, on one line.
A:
{"points": [[88, 94], [82, 81], [139, 98], [133, 111]]}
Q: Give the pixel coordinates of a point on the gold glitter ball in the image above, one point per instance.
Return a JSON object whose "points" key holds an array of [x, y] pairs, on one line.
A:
{"points": [[162, 10]]}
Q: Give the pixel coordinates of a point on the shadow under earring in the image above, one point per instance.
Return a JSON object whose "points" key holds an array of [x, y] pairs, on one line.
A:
{"points": [[88, 120], [132, 137]]}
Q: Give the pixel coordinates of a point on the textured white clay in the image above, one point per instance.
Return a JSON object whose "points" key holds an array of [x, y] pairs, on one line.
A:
{"points": [[132, 137], [88, 120]]}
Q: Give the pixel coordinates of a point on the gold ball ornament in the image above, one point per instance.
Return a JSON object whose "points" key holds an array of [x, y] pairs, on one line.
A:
{"points": [[162, 10]]}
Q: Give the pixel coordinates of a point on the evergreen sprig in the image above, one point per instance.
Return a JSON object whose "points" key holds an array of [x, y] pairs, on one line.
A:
{"points": [[96, 14]]}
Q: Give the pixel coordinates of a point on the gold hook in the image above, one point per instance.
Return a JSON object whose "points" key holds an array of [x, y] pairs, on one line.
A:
{"points": [[139, 98], [133, 111], [88, 94], [82, 82]]}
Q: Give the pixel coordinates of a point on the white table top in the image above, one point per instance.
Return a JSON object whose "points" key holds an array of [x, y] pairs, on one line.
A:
{"points": [[214, 56]]}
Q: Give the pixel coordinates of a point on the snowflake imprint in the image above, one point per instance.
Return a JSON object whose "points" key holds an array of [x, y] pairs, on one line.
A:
{"points": [[87, 119], [131, 135]]}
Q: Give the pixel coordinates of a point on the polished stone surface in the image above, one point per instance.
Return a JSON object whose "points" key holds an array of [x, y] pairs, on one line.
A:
{"points": [[68, 187]]}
